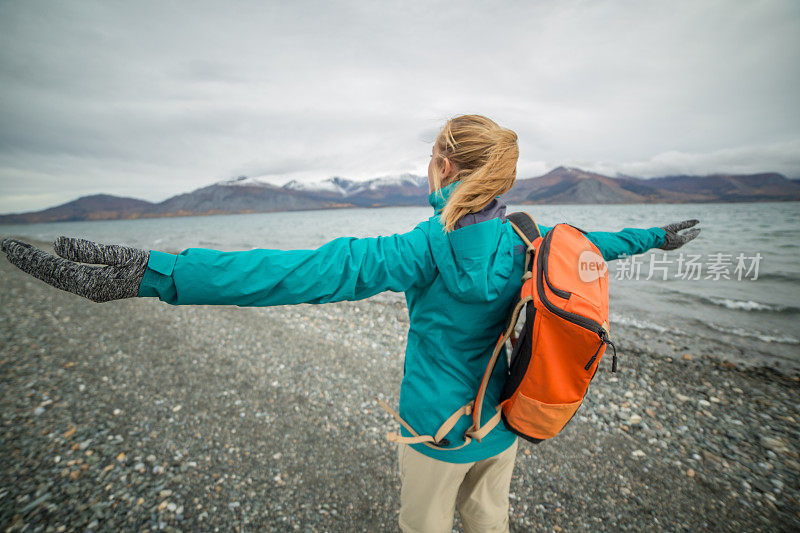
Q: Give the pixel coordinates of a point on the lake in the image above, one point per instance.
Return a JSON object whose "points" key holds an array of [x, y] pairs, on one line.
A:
{"points": [[737, 285]]}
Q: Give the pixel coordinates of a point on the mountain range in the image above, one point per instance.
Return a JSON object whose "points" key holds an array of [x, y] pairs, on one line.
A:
{"points": [[562, 185]]}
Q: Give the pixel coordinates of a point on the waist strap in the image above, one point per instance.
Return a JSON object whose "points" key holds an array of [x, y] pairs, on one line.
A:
{"points": [[438, 441]]}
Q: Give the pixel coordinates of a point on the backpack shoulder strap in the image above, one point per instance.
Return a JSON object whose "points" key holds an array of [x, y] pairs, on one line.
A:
{"points": [[528, 231], [525, 226]]}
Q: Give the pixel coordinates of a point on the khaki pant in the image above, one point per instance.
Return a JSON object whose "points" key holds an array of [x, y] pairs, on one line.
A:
{"points": [[432, 489]]}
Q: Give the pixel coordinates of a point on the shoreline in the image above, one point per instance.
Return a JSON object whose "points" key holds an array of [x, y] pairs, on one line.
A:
{"points": [[632, 338], [423, 204], [136, 414]]}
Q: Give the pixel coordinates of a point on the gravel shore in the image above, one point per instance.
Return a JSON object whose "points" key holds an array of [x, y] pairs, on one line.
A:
{"points": [[137, 415]]}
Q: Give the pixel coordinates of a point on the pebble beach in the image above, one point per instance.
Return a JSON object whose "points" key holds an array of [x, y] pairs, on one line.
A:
{"points": [[136, 415]]}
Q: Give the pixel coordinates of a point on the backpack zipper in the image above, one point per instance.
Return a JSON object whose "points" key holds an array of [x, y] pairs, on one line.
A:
{"points": [[582, 321]]}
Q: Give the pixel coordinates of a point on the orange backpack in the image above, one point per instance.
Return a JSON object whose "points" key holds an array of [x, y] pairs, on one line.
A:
{"points": [[565, 296]]}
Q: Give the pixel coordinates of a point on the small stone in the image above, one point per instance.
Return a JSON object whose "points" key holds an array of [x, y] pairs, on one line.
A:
{"points": [[70, 432], [638, 453], [635, 420], [687, 357], [166, 493], [704, 403], [177, 408], [117, 412], [774, 444], [690, 472], [121, 457], [139, 467], [39, 410], [793, 465]]}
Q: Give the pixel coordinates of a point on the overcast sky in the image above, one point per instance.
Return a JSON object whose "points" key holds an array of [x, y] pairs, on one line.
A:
{"points": [[152, 99]]}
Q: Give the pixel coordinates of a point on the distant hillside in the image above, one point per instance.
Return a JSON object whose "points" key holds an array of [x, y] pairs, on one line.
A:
{"points": [[237, 196], [241, 195], [564, 185], [95, 207], [722, 187], [561, 185], [570, 186], [406, 189]]}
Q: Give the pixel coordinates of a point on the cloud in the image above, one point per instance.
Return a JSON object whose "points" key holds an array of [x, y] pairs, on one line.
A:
{"points": [[150, 99], [778, 157]]}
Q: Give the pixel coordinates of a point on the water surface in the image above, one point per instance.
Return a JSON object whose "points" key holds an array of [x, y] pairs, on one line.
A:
{"points": [[757, 314]]}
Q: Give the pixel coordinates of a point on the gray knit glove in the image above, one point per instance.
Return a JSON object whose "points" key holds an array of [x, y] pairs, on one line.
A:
{"points": [[673, 239], [119, 277]]}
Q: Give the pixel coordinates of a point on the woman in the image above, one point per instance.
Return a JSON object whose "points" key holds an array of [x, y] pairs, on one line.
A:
{"points": [[460, 270]]}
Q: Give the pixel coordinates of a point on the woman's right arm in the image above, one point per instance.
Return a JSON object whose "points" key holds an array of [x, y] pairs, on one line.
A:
{"points": [[346, 268], [342, 269]]}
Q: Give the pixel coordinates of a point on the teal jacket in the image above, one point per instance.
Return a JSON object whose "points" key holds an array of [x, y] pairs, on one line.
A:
{"points": [[458, 287]]}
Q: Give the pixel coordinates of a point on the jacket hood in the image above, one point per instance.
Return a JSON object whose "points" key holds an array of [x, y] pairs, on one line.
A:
{"points": [[476, 259]]}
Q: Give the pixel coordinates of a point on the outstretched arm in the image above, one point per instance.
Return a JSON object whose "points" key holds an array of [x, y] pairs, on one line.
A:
{"points": [[632, 241], [343, 269]]}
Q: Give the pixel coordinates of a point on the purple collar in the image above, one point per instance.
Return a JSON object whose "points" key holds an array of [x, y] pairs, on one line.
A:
{"points": [[495, 209]]}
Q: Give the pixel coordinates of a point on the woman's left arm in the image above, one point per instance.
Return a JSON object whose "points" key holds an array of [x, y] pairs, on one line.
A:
{"points": [[626, 242], [632, 241]]}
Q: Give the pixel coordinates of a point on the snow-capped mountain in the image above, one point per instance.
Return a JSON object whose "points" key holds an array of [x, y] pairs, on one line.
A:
{"points": [[559, 186], [346, 188], [335, 185], [246, 181]]}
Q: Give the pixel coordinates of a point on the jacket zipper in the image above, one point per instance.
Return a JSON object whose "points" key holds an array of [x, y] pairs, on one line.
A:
{"points": [[582, 321]]}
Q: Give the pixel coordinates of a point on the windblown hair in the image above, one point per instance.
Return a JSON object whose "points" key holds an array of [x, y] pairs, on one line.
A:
{"points": [[485, 158]]}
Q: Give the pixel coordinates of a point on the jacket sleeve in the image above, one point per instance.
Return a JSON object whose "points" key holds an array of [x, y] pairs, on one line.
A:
{"points": [[346, 268], [626, 242]]}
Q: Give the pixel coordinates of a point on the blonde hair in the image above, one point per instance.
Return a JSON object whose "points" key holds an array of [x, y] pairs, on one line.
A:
{"points": [[485, 158]]}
